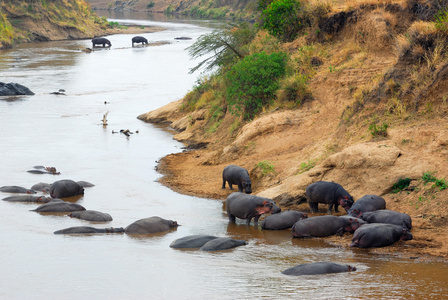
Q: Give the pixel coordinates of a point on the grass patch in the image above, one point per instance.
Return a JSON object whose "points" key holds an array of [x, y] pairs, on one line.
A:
{"points": [[266, 167], [401, 184], [306, 166]]}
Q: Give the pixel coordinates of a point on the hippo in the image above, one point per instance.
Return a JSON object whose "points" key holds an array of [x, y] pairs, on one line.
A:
{"points": [[12, 88], [91, 215], [16, 189], [44, 170], [328, 192], [65, 188], [59, 207], [150, 225], [388, 217], [318, 268], [379, 235], [192, 241], [101, 41], [236, 175], [42, 187], [366, 203], [85, 184], [243, 206], [283, 220], [27, 198], [139, 39], [321, 226], [222, 243], [87, 230]]}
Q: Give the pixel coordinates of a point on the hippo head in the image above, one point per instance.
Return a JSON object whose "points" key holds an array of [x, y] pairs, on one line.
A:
{"points": [[406, 235], [268, 207], [247, 186], [346, 202], [352, 225], [173, 224], [355, 213], [114, 230], [350, 268]]}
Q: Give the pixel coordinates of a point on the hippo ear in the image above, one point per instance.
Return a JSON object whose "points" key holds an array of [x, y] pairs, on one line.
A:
{"points": [[265, 202]]}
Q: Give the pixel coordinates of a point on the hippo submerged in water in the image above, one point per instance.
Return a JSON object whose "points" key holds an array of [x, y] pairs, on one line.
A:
{"points": [[233, 174], [65, 188], [206, 243], [246, 207], [88, 230], [150, 225], [318, 268], [330, 193]]}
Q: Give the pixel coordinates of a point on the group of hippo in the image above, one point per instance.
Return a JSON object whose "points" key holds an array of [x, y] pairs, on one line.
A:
{"points": [[371, 224], [367, 218], [104, 42], [66, 188]]}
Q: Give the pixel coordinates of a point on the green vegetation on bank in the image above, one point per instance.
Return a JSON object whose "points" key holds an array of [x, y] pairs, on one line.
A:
{"points": [[249, 70], [65, 14]]}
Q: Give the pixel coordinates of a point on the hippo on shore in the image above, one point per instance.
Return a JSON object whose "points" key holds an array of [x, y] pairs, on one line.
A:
{"points": [[283, 220], [379, 235], [233, 174], [322, 226], [330, 193]]}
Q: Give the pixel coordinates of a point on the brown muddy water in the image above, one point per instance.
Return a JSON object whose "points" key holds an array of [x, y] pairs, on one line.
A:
{"points": [[64, 131]]}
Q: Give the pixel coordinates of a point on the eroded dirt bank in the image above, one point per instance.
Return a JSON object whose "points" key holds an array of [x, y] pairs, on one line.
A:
{"points": [[328, 138]]}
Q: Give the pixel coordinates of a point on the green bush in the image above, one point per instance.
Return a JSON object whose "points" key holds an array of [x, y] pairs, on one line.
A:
{"points": [[378, 130], [441, 184], [282, 18], [266, 167], [150, 5], [401, 184], [441, 22], [253, 82]]}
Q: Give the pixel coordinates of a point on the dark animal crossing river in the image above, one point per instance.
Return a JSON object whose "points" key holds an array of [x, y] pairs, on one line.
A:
{"points": [[64, 131]]}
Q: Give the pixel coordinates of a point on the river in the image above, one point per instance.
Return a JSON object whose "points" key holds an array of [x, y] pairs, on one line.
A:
{"points": [[65, 131]]}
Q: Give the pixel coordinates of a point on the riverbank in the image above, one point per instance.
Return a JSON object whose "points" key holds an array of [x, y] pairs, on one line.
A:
{"points": [[198, 173]]}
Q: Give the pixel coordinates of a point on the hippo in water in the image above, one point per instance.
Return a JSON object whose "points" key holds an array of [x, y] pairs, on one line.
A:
{"points": [[139, 39], [91, 215], [192, 241], [379, 235], [321, 226], [222, 243], [88, 230], [150, 225], [16, 189], [365, 204], [237, 175], [65, 188], [60, 206], [330, 193], [101, 41], [41, 187], [283, 220], [318, 268], [246, 207], [27, 198]]}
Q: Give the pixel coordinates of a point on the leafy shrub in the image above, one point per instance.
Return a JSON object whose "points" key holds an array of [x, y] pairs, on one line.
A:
{"points": [[150, 5], [439, 183], [282, 18], [441, 22], [401, 184], [378, 130], [253, 82], [266, 167], [294, 89], [306, 166]]}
